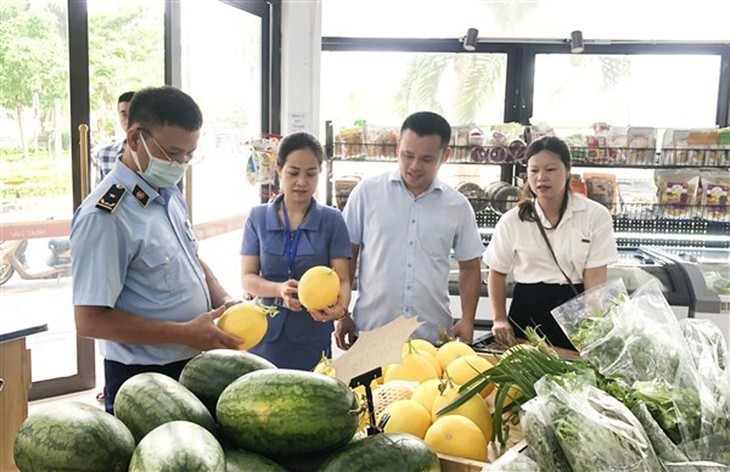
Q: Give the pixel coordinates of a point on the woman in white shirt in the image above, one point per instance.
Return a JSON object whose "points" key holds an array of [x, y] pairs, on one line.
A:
{"points": [[581, 245]]}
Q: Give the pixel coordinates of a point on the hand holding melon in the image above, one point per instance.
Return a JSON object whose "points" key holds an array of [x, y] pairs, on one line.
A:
{"points": [[318, 288], [247, 321]]}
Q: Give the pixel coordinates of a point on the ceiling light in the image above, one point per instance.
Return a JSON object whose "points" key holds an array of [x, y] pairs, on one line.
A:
{"points": [[576, 42], [471, 39]]}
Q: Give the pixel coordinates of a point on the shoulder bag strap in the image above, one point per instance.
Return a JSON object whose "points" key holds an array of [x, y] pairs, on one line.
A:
{"points": [[552, 253]]}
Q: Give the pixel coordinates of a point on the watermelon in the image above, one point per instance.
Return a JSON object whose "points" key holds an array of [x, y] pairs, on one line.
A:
{"points": [[149, 400], [73, 436], [282, 411], [244, 461], [384, 452], [178, 445], [209, 373]]}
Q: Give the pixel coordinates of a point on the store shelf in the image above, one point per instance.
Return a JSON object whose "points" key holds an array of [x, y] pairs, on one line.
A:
{"points": [[634, 223], [369, 152], [651, 158], [645, 224]]}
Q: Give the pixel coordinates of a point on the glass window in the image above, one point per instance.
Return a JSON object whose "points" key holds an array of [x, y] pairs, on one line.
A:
{"points": [[648, 90], [622, 19], [384, 87]]}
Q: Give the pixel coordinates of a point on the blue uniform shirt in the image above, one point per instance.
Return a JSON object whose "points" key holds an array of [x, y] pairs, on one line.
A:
{"points": [[323, 238], [141, 258]]}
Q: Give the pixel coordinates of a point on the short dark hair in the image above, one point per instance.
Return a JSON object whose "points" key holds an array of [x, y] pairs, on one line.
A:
{"points": [[556, 146], [125, 97], [427, 123], [297, 141], [155, 107]]}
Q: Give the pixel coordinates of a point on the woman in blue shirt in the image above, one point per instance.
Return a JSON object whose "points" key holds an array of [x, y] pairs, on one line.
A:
{"points": [[283, 239]]}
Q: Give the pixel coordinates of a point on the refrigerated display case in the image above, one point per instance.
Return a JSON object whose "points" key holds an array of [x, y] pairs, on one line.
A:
{"points": [[708, 278], [636, 266]]}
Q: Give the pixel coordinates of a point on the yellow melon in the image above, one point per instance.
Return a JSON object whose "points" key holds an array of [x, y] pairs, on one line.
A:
{"points": [[411, 347], [420, 345], [318, 288], [414, 367], [247, 321], [513, 394], [462, 369], [475, 409], [426, 392], [457, 435], [325, 366], [451, 350], [406, 416]]}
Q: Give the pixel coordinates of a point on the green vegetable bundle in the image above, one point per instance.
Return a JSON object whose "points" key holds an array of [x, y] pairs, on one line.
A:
{"points": [[593, 430]]}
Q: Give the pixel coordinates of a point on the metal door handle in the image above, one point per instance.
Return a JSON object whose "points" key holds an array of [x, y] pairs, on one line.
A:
{"points": [[84, 158], [2, 384]]}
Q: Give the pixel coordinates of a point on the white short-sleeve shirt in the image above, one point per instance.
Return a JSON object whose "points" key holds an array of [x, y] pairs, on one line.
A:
{"points": [[584, 239]]}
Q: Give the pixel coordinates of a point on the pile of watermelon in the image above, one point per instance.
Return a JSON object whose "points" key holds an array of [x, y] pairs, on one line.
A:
{"points": [[230, 411]]}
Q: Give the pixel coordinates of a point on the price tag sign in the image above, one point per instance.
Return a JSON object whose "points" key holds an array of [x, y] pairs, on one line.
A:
{"points": [[375, 348]]}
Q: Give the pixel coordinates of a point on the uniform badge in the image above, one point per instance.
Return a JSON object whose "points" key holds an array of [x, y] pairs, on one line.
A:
{"points": [[111, 198], [142, 197]]}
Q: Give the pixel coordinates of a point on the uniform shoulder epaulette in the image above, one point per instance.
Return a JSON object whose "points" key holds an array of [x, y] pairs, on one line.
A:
{"points": [[111, 198]]}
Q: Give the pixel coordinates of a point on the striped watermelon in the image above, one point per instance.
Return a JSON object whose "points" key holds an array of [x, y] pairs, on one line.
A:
{"points": [[178, 445], [149, 400], [244, 461], [384, 452], [73, 436], [209, 373], [282, 411]]}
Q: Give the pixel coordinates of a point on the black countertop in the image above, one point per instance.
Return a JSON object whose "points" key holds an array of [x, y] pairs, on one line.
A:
{"points": [[13, 329]]}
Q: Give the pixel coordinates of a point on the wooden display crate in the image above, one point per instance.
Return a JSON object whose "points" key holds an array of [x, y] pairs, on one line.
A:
{"points": [[458, 464]]}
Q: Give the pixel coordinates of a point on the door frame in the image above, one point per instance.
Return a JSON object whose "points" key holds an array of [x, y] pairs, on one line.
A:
{"points": [[78, 43]]}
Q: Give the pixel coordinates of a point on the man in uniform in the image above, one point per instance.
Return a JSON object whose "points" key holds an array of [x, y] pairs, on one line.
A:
{"points": [[138, 283]]}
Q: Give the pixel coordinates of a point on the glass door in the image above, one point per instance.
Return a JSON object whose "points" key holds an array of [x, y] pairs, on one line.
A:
{"points": [[224, 51], [64, 64], [39, 138]]}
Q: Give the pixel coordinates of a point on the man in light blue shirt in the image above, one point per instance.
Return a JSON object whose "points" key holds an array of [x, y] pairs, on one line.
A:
{"points": [[138, 284], [403, 226]]}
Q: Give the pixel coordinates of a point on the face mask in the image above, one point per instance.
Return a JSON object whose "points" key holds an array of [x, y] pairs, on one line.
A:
{"points": [[159, 173]]}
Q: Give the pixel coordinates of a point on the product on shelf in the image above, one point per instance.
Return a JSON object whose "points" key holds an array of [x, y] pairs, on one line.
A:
{"points": [[577, 185], [714, 194], [261, 164], [502, 196], [677, 192], [474, 193], [602, 189], [382, 141], [350, 143], [693, 147], [637, 198], [641, 146], [343, 188]]}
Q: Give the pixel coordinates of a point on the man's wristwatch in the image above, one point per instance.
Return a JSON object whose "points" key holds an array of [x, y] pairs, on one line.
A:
{"points": [[345, 314]]}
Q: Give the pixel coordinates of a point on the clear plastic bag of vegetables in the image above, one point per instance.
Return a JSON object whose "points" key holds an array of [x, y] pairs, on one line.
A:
{"points": [[632, 338], [593, 430], [706, 345], [639, 341]]}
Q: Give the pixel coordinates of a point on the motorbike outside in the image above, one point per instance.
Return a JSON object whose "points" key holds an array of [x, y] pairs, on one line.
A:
{"points": [[12, 260]]}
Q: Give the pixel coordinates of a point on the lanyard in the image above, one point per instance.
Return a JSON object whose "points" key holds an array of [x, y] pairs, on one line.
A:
{"points": [[292, 240]]}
